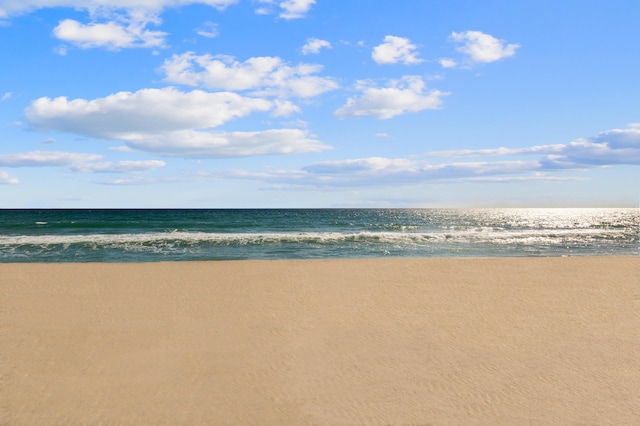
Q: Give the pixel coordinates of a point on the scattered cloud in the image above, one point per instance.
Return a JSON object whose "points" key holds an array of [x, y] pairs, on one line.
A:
{"points": [[6, 96], [294, 9], [173, 123], [481, 47], [289, 9], [46, 159], [208, 29], [111, 35], [314, 45], [7, 179], [394, 50], [447, 63], [202, 144], [383, 135], [617, 146], [119, 167], [113, 24], [10, 8], [61, 50], [541, 149], [263, 75], [262, 11], [121, 148], [613, 147], [401, 96], [127, 115], [75, 162]]}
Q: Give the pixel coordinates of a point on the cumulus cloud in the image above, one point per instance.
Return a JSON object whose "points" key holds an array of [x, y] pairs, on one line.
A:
{"points": [[313, 45], [447, 63], [10, 8], [294, 9], [288, 9], [114, 24], [7, 179], [408, 94], [394, 50], [481, 47], [609, 148], [112, 35], [263, 75], [170, 122], [126, 115]]}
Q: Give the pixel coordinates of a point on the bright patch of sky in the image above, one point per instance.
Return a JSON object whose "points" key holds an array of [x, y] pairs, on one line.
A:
{"points": [[318, 103]]}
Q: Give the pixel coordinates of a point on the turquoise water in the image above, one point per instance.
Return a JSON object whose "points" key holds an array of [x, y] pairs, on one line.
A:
{"points": [[217, 234]]}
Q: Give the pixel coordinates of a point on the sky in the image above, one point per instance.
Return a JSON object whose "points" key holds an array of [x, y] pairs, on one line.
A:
{"points": [[319, 103]]}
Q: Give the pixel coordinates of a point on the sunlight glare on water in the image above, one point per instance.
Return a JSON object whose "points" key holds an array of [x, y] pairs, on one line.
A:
{"points": [[157, 235]]}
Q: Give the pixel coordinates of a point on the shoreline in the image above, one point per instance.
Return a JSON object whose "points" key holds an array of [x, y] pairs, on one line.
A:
{"points": [[335, 259], [544, 340]]}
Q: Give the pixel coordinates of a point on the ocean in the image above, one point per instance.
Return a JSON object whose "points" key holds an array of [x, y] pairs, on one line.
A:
{"points": [[151, 235]]}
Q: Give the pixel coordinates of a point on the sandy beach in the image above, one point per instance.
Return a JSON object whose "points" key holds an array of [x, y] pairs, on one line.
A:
{"points": [[536, 341]]}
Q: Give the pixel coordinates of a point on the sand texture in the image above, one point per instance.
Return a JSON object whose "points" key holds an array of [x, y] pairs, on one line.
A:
{"points": [[539, 341]]}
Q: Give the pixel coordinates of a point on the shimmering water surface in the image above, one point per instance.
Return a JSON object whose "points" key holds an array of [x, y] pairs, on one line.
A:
{"points": [[163, 235]]}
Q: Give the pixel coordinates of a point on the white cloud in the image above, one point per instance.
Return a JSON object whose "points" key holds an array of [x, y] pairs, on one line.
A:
{"points": [[262, 11], [6, 96], [481, 47], [76, 162], [609, 148], [126, 115], [284, 108], [294, 9], [378, 171], [401, 96], [394, 50], [314, 45], [289, 9], [112, 35], [7, 179], [447, 63], [121, 148], [114, 24], [201, 144], [208, 30], [540, 149], [10, 8], [46, 159], [173, 123], [119, 167], [265, 75], [585, 153], [61, 50]]}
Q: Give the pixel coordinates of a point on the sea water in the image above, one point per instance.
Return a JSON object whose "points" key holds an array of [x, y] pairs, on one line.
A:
{"points": [[146, 235]]}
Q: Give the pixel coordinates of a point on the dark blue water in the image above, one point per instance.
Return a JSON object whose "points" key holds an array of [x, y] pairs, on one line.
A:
{"points": [[170, 235]]}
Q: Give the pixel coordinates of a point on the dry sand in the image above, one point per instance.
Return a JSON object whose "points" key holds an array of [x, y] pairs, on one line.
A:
{"points": [[544, 341]]}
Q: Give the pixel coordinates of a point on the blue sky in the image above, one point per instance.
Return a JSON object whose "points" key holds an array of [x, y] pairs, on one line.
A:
{"points": [[319, 103]]}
